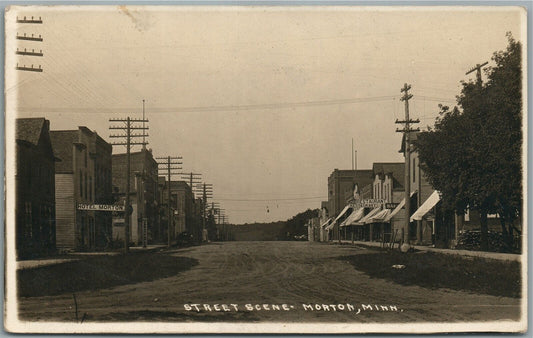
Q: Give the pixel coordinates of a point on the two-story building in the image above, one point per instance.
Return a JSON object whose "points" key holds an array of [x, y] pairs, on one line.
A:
{"points": [[35, 189], [428, 223], [341, 185], [82, 177], [143, 194]]}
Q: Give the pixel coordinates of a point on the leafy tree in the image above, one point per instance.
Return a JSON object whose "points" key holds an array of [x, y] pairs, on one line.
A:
{"points": [[473, 153], [297, 224]]}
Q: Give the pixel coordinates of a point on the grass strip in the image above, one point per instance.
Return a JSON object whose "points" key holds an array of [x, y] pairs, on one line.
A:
{"points": [[433, 270]]}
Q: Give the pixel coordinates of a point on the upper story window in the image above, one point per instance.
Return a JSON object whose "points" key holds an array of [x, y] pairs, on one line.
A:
{"points": [[81, 183], [414, 170], [90, 188]]}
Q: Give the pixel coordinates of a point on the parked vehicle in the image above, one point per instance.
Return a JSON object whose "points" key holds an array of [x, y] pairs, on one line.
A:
{"points": [[184, 238]]}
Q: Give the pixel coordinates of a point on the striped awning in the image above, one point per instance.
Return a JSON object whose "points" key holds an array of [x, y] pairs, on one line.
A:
{"points": [[395, 211], [365, 220], [354, 217], [345, 210], [326, 222], [426, 206], [380, 216], [330, 226]]}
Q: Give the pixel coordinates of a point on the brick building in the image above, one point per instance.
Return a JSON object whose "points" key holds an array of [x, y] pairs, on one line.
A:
{"points": [[83, 176], [35, 188], [341, 186]]}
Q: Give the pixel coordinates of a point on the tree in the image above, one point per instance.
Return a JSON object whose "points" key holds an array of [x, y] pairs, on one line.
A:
{"points": [[296, 225], [473, 153]]}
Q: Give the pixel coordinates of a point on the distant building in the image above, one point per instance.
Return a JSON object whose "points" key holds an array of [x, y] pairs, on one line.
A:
{"points": [[160, 232], [35, 188], [341, 186], [83, 176], [388, 186], [143, 195], [182, 209], [313, 229]]}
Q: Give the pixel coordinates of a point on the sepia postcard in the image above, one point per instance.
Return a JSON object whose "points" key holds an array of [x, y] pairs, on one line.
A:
{"points": [[266, 169]]}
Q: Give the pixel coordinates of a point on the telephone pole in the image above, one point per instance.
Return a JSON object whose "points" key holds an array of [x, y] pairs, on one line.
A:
{"points": [[407, 130], [128, 126], [169, 166], [25, 51], [478, 73], [192, 177], [206, 189]]}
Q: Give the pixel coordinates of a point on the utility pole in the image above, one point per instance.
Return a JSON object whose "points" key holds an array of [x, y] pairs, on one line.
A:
{"points": [[192, 177], [352, 155], [478, 73], [169, 166], [407, 130], [129, 125], [143, 180], [206, 190], [25, 51], [214, 211]]}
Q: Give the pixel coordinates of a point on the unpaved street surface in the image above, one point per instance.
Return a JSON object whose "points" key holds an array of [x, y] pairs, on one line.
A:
{"points": [[271, 281]]}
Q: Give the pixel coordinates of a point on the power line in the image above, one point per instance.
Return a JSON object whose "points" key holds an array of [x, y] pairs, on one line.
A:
{"points": [[162, 110], [271, 199]]}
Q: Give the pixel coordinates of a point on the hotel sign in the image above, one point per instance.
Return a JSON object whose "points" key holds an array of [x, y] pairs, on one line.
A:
{"points": [[100, 207]]}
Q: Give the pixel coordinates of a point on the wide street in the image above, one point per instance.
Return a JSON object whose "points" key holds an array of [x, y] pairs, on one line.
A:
{"points": [[271, 281]]}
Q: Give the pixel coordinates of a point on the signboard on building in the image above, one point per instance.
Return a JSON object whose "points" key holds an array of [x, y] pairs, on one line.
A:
{"points": [[391, 205], [100, 207], [369, 203]]}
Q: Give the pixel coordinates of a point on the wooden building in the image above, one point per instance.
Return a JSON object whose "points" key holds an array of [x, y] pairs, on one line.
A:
{"points": [[35, 189], [83, 176], [143, 194]]}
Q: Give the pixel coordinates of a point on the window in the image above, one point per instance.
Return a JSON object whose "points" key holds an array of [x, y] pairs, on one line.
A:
{"points": [[414, 170], [85, 185], [81, 183], [85, 158], [90, 188], [28, 225]]}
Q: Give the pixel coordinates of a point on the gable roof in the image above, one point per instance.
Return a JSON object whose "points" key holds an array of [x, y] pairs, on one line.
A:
{"points": [[413, 136], [29, 129], [62, 141], [396, 169]]}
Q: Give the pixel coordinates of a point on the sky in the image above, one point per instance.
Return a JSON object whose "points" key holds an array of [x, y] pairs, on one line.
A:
{"points": [[262, 101]]}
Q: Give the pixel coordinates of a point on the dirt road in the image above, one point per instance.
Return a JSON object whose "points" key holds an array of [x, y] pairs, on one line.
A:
{"points": [[271, 281]]}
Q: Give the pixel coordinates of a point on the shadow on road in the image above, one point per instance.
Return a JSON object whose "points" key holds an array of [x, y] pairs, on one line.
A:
{"points": [[99, 272], [432, 270]]}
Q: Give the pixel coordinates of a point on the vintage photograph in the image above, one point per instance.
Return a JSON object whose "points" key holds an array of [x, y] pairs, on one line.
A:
{"points": [[265, 169]]}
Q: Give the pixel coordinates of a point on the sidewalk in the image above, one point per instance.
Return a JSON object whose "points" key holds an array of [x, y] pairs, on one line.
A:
{"points": [[468, 253], [21, 265], [28, 264]]}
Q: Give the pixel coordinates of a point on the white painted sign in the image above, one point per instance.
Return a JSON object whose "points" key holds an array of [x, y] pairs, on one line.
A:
{"points": [[100, 207], [369, 203]]}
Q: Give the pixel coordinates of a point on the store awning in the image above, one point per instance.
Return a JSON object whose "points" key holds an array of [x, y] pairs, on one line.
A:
{"points": [[354, 217], [426, 206], [371, 214], [326, 222], [330, 226], [380, 216], [345, 210], [397, 209]]}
